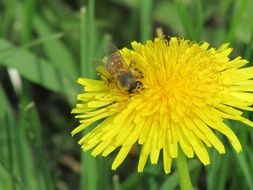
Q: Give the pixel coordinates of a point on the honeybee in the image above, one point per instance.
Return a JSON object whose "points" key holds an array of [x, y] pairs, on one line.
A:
{"points": [[125, 78]]}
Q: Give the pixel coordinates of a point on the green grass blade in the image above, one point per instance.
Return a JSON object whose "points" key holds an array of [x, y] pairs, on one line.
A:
{"points": [[242, 161], [29, 8], [5, 176], [236, 19], [56, 51], [5, 105], [187, 24], [84, 45], [133, 22], [21, 165], [248, 149], [145, 19], [87, 41], [241, 158], [91, 35], [7, 17], [9, 178], [224, 172], [171, 182], [89, 176], [116, 182], [42, 40], [249, 48], [34, 43], [199, 19], [132, 181], [213, 170], [104, 174], [34, 130], [90, 171], [10, 150], [24, 154], [36, 70]]}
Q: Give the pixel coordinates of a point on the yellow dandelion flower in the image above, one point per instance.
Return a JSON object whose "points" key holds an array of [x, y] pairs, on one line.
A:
{"points": [[189, 89]]}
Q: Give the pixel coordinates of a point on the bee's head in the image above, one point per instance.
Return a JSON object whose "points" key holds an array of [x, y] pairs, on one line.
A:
{"points": [[136, 85]]}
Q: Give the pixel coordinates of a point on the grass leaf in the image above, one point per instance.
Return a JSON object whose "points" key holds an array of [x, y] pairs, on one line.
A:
{"points": [[56, 50], [35, 69]]}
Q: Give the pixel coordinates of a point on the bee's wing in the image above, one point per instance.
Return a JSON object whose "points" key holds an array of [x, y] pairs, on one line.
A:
{"points": [[97, 62], [99, 66], [110, 49]]}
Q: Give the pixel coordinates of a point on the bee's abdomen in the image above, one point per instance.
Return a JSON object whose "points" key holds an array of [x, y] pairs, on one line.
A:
{"points": [[125, 79], [115, 64]]}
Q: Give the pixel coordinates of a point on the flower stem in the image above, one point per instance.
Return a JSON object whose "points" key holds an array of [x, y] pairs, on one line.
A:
{"points": [[183, 172]]}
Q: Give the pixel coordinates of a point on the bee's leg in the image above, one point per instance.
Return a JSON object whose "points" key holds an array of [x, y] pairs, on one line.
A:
{"points": [[137, 73], [132, 64], [109, 83], [135, 70]]}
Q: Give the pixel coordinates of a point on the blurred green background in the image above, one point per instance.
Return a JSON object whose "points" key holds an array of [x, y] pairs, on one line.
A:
{"points": [[45, 45]]}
